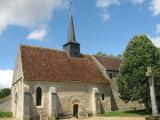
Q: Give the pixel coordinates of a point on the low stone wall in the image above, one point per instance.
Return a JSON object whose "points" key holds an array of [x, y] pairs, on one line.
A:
{"points": [[5, 104]]}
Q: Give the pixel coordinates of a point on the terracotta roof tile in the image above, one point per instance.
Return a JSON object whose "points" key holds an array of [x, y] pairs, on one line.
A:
{"points": [[109, 63], [42, 64]]}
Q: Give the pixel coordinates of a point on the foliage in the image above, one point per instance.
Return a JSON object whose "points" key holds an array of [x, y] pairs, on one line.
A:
{"points": [[5, 114], [120, 56], [132, 81], [127, 113], [56, 117], [90, 114], [5, 92]]}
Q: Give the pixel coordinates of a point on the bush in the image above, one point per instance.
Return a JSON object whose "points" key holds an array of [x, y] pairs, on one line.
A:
{"points": [[56, 117], [90, 114], [5, 92]]}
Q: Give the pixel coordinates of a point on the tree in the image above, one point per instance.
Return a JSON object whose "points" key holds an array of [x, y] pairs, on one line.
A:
{"points": [[5, 92], [133, 84], [120, 56]]}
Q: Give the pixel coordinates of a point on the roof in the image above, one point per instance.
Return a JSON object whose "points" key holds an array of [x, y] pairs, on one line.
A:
{"points": [[43, 64], [109, 63]]}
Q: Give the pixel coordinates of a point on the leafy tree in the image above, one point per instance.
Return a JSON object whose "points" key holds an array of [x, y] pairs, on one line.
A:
{"points": [[132, 81], [120, 56], [5, 92]]}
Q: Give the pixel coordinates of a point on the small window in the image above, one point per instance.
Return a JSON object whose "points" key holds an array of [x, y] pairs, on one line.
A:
{"points": [[102, 96], [110, 75], [16, 98], [39, 96]]}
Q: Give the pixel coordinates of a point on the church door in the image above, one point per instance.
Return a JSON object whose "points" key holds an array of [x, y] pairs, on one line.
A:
{"points": [[75, 110]]}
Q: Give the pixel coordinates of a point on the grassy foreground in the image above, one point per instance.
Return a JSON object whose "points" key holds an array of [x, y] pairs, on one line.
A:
{"points": [[5, 114], [134, 113]]}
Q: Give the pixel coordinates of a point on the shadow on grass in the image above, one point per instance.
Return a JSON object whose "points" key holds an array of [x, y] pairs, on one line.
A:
{"points": [[138, 112], [132, 113]]}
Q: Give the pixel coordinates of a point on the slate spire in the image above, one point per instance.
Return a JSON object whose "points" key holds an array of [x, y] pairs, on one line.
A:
{"points": [[71, 33], [72, 46]]}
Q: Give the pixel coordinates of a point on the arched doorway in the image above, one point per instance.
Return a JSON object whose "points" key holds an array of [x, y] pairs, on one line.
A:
{"points": [[75, 110]]}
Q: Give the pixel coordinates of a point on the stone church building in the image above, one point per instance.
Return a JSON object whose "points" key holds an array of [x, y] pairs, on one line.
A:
{"points": [[49, 83]]}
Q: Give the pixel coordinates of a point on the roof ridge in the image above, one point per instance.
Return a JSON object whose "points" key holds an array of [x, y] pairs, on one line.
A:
{"points": [[40, 47], [58, 50]]}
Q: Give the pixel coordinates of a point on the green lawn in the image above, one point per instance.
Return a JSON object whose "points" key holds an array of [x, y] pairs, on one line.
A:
{"points": [[133, 113], [5, 114]]}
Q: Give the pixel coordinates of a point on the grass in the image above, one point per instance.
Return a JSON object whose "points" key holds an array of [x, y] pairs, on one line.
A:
{"points": [[5, 114], [133, 113]]}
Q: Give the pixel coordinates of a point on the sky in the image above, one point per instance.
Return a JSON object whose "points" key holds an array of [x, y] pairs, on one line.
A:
{"points": [[100, 25]]}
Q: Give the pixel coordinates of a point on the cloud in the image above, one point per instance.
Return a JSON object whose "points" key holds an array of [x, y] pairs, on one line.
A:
{"points": [[155, 7], [156, 41], [38, 34], [104, 5], [137, 2], [28, 13], [6, 78], [158, 28], [105, 16]]}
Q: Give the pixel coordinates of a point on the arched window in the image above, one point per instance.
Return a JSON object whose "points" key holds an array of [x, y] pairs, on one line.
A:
{"points": [[102, 96], [38, 96], [110, 75]]}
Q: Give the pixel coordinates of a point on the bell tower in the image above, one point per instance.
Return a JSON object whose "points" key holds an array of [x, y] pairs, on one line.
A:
{"points": [[72, 46]]}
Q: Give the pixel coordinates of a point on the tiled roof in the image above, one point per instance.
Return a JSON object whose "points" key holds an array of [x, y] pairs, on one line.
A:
{"points": [[42, 64], [109, 63]]}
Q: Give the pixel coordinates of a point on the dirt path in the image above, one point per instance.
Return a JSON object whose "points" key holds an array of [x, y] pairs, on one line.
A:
{"points": [[99, 118], [111, 118], [5, 119]]}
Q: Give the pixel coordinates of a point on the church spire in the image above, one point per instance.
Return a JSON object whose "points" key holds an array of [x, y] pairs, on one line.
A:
{"points": [[72, 46], [71, 33]]}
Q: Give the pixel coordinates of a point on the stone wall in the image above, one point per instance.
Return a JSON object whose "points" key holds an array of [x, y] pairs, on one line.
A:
{"points": [[68, 94], [17, 89], [17, 100], [5, 104], [117, 103]]}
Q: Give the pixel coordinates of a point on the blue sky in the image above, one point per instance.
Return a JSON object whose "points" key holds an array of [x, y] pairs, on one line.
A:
{"points": [[100, 25]]}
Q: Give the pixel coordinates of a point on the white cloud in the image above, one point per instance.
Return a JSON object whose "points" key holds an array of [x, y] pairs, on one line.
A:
{"points": [[6, 78], [155, 7], [137, 2], [38, 34], [156, 41], [158, 28], [105, 16], [27, 13], [104, 5]]}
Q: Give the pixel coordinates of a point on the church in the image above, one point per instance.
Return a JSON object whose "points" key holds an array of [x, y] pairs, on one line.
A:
{"points": [[49, 83]]}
